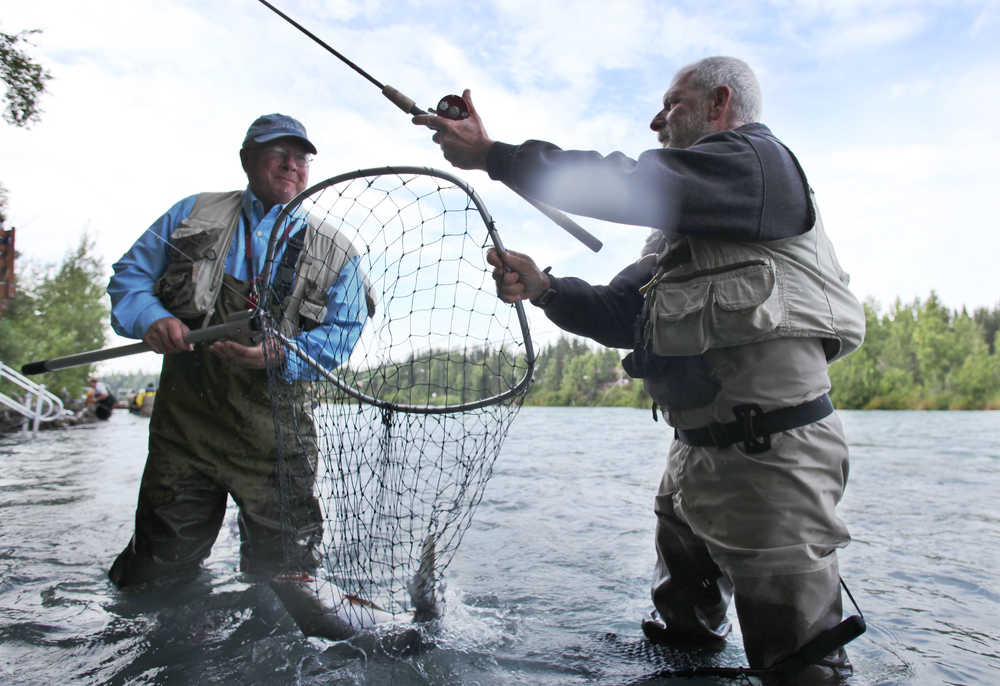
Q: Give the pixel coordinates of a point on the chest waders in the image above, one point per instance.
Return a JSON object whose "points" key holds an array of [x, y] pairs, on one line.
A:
{"points": [[212, 435], [738, 518]]}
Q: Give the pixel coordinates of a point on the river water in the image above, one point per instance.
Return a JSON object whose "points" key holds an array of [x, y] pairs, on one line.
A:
{"points": [[548, 586]]}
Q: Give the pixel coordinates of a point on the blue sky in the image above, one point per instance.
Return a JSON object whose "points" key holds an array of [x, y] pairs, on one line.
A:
{"points": [[890, 107]]}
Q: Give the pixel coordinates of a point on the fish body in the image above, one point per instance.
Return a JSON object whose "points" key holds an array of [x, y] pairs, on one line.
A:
{"points": [[427, 606], [340, 615]]}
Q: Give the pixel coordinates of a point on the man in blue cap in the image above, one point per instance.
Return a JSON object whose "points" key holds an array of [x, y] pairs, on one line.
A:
{"points": [[212, 429]]}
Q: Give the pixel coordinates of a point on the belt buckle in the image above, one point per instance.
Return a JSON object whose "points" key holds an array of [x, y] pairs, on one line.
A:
{"points": [[753, 442]]}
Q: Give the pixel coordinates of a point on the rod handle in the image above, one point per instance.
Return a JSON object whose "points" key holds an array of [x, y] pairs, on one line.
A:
{"points": [[242, 323], [34, 368], [401, 101]]}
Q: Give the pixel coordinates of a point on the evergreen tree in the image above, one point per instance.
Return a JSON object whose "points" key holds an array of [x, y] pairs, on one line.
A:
{"points": [[920, 356], [855, 379], [989, 320], [974, 382]]}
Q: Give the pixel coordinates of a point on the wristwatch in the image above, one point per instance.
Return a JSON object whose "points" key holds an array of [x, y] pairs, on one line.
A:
{"points": [[545, 298]]}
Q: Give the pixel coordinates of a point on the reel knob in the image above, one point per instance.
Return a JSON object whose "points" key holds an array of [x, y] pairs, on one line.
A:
{"points": [[452, 107]]}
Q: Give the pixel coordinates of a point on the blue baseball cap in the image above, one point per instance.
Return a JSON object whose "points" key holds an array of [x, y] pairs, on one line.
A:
{"points": [[270, 126]]}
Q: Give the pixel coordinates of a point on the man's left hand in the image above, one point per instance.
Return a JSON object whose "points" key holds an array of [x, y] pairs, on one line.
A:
{"points": [[463, 141]]}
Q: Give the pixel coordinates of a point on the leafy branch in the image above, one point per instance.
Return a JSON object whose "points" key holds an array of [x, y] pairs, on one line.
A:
{"points": [[24, 77]]}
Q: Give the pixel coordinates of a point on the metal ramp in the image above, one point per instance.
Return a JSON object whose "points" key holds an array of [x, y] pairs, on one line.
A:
{"points": [[38, 405]]}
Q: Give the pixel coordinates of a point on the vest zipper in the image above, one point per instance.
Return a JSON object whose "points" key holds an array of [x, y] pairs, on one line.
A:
{"points": [[713, 270], [661, 278]]}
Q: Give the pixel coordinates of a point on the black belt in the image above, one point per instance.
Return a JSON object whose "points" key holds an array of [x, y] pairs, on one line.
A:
{"points": [[753, 427]]}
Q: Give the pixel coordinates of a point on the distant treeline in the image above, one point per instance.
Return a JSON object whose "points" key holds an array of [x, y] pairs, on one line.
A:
{"points": [[917, 356], [573, 372], [921, 356]]}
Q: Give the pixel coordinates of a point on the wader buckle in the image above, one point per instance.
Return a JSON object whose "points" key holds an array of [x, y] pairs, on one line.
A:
{"points": [[753, 440]]}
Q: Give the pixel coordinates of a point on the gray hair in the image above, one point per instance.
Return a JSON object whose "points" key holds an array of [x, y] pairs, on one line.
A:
{"points": [[712, 72]]}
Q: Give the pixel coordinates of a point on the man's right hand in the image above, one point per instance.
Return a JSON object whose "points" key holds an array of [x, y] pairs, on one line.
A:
{"points": [[463, 142], [167, 336], [517, 276]]}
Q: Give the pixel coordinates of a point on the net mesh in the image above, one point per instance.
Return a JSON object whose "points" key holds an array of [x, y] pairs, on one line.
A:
{"points": [[384, 457]]}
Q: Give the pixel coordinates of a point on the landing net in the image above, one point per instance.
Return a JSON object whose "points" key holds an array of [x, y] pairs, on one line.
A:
{"points": [[386, 446]]}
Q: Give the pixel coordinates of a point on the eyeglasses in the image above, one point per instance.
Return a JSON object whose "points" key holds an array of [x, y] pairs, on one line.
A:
{"points": [[299, 159]]}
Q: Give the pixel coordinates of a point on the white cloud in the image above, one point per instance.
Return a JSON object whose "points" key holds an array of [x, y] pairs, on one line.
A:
{"points": [[988, 18], [870, 33]]}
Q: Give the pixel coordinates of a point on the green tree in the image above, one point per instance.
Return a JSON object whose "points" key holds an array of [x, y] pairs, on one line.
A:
{"points": [[935, 345], [578, 380], [920, 356], [975, 383], [25, 79], [855, 379], [57, 311], [989, 320]]}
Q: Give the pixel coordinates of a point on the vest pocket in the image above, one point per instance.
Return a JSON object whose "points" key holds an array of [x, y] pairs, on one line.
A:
{"points": [[716, 308], [175, 289], [186, 286], [316, 280], [312, 313]]}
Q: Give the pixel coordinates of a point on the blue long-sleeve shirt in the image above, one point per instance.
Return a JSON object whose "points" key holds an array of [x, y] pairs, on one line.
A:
{"points": [[134, 307]]}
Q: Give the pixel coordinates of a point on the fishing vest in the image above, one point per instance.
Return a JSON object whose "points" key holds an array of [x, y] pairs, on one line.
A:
{"points": [[190, 285], [731, 293]]}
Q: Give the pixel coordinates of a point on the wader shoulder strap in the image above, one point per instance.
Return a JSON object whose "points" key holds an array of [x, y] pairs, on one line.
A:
{"points": [[284, 276]]}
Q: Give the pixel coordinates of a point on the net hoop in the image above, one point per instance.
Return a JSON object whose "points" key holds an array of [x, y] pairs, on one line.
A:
{"points": [[515, 391]]}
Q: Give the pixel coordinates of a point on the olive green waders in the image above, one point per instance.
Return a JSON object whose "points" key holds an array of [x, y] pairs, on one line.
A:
{"points": [[760, 530], [212, 434]]}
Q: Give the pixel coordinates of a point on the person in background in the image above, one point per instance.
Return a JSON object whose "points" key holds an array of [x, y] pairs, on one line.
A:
{"points": [[143, 402], [101, 397], [212, 431], [732, 319]]}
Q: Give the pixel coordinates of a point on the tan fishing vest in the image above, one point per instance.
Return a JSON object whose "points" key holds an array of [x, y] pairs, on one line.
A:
{"points": [[735, 293], [189, 287]]}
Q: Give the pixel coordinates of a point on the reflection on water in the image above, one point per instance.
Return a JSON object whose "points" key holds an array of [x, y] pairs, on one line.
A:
{"points": [[547, 587]]}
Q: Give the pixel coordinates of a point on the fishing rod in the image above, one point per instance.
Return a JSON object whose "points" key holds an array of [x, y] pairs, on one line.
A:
{"points": [[239, 324], [450, 107]]}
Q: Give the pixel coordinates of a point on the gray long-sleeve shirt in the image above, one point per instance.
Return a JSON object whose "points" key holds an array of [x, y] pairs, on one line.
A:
{"points": [[740, 185]]}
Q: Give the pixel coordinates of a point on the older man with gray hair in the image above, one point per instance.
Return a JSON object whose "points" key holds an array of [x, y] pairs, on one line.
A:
{"points": [[732, 320]]}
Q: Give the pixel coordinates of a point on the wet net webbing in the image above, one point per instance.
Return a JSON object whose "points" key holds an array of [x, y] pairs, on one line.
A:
{"points": [[384, 457]]}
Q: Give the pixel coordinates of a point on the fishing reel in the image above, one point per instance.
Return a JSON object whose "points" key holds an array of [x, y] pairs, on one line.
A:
{"points": [[452, 107]]}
